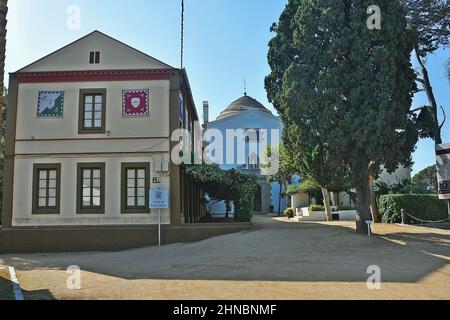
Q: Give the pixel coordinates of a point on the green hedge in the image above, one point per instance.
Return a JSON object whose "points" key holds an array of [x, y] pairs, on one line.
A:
{"points": [[345, 208], [422, 206], [316, 208]]}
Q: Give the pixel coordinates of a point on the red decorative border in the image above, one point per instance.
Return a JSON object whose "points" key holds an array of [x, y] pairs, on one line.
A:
{"points": [[93, 76]]}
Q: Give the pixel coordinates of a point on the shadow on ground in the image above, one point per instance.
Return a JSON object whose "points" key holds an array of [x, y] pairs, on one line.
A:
{"points": [[278, 251], [7, 294]]}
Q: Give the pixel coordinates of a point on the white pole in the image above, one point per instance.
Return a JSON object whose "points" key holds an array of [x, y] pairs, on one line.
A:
{"points": [[159, 228]]}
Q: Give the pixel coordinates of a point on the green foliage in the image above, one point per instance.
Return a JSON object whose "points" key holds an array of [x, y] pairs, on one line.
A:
{"points": [[402, 186], [426, 123], [425, 181], [227, 185], [286, 168], [422, 206], [316, 208], [430, 20], [306, 186], [289, 213], [343, 91], [345, 208]]}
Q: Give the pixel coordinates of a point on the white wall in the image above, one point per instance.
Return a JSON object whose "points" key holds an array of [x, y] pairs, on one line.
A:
{"points": [[250, 119], [156, 125], [399, 175], [155, 130], [22, 204]]}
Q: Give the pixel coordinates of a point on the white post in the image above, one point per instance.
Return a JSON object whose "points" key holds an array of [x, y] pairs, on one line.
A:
{"points": [[159, 228]]}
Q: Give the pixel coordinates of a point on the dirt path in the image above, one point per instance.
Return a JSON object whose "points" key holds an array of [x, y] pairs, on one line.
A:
{"points": [[281, 260]]}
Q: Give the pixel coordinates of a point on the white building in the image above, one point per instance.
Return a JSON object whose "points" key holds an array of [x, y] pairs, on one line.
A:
{"points": [[258, 122], [88, 135]]}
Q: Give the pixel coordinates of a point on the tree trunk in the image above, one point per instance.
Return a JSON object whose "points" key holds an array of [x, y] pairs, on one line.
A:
{"points": [[431, 98], [227, 209], [326, 203], [362, 207], [373, 202], [3, 21], [279, 200]]}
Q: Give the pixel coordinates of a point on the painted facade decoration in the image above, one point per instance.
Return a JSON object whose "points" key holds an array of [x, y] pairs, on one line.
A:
{"points": [[50, 104], [135, 103]]}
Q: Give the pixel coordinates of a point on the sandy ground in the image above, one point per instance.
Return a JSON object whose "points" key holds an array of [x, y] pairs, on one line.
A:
{"points": [[281, 260]]}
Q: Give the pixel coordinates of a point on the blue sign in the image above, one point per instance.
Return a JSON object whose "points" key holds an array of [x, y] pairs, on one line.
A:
{"points": [[159, 198]]}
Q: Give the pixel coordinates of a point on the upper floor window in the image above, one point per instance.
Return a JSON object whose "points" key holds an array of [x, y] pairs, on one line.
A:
{"points": [[94, 57], [92, 111]]}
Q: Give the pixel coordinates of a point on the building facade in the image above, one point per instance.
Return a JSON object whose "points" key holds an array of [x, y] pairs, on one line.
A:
{"points": [[257, 122], [89, 133]]}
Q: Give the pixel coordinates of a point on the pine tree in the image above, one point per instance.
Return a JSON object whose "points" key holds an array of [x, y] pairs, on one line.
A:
{"points": [[344, 91]]}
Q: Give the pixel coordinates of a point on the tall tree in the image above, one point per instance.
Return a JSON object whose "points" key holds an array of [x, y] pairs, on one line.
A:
{"points": [[3, 21], [345, 89], [430, 20], [3, 12]]}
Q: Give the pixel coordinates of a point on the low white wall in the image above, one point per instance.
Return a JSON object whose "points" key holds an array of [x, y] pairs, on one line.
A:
{"points": [[307, 215]]}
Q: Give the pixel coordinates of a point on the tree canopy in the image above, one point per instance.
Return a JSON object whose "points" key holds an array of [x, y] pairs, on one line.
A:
{"points": [[344, 91], [425, 181], [429, 19]]}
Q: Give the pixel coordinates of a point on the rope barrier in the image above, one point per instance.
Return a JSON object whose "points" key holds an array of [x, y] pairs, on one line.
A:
{"points": [[421, 220]]}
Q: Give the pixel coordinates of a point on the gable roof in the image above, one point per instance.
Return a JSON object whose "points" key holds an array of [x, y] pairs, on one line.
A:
{"points": [[75, 56]]}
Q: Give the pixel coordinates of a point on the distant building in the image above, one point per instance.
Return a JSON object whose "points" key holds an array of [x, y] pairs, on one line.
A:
{"points": [[303, 199], [250, 115]]}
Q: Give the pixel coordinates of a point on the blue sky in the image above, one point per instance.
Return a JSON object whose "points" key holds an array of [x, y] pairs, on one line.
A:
{"points": [[225, 42]]}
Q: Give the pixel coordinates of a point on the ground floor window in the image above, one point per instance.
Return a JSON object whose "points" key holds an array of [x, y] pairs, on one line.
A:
{"points": [[135, 187], [91, 188], [46, 188]]}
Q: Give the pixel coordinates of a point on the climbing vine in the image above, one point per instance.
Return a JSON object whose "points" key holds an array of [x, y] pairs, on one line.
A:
{"points": [[226, 185]]}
